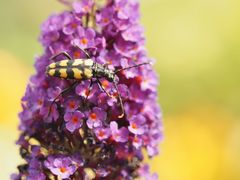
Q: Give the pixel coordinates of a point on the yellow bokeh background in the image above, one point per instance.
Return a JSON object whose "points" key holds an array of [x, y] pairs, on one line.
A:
{"points": [[196, 44]]}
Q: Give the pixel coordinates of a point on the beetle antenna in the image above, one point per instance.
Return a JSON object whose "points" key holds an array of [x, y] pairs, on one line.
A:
{"points": [[120, 100], [83, 50], [65, 2], [137, 65]]}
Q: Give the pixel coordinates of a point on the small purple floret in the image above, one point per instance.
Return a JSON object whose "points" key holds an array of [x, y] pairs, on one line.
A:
{"points": [[95, 118], [118, 135], [73, 120], [137, 124], [62, 166]]}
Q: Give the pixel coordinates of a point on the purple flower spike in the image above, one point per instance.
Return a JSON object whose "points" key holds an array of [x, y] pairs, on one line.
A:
{"points": [[74, 120], [78, 126], [95, 118]]}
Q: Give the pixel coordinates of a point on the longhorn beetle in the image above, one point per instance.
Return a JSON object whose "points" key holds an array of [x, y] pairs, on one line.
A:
{"points": [[84, 69]]}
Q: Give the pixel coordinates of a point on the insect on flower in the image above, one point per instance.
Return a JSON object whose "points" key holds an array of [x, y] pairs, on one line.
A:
{"points": [[84, 69]]}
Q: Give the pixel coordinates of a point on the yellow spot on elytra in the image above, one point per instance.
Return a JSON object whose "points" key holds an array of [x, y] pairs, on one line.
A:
{"points": [[51, 72], [97, 150], [88, 62], [63, 73], [63, 63], [77, 62], [52, 65], [88, 73], [77, 73]]}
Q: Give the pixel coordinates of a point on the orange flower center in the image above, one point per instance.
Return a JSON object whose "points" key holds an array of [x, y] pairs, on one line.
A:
{"points": [[115, 94], [105, 83], [134, 125], [135, 139], [101, 133], [51, 109], [134, 58], [76, 54], [116, 135], [135, 48], [74, 119], [118, 8], [74, 25], [62, 169], [139, 79], [86, 8], [105, 20], [87, 92], [84, 41], [40, 102], [71, 104], [93, 116]]}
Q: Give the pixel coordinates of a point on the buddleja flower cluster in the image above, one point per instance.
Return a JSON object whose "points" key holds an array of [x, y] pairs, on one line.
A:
{"points": [[77, 139]]}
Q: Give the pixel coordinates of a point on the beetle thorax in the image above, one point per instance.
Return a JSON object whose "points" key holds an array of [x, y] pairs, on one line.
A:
{"points": [[110, 76], [100, 71]]}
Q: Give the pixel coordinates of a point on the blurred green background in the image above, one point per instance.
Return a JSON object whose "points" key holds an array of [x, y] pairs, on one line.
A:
{"points": [[197, 47]]}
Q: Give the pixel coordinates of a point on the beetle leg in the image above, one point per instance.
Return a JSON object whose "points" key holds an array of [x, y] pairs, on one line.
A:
{"points": [[64, 53], [102, 88], [83, 50], [89, 90], [105, 65], [120, 100], [134, 66], [64, 91]]}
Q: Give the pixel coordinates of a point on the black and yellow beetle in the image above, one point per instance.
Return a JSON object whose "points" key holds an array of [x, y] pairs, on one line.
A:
{"points": [[84, 69]]}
